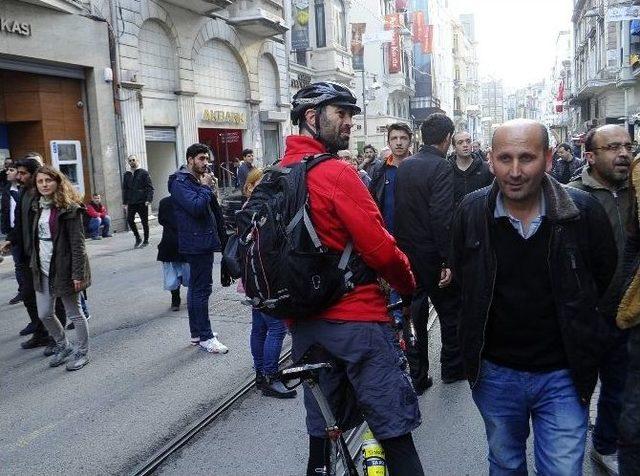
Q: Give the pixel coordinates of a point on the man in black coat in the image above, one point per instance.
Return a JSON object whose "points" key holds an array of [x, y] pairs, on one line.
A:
{"points": [[533, 259], [423, 214], [137, 194], [470, 172]]}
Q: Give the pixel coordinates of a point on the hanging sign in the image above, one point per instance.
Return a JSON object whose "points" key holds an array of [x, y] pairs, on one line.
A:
{"points": [[392, 23]]}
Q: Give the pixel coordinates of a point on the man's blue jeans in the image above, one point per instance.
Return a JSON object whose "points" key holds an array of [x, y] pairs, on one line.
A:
{"points": [[94, 226], [267, 334], [613, 375], [629, 450], [201, 282], [508, 399]]}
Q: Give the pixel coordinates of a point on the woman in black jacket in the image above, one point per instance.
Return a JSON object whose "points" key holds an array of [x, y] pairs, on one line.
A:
{"points": [[174, 267]]}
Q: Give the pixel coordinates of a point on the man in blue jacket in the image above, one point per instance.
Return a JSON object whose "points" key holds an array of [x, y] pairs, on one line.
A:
{"points": [[200, 233]]}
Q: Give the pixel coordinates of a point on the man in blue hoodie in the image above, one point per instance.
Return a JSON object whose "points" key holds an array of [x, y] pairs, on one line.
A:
{"points": [[200, 233]]}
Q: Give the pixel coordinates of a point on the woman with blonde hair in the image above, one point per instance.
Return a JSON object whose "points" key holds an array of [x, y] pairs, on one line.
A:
{"points": [[59, 262]]}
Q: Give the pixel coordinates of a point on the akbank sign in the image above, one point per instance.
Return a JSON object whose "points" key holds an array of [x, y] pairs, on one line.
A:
{"points": [[14, 27]]}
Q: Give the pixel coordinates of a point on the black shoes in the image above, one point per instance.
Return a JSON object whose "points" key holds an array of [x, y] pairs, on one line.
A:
{"points": [[144, 244], [30, 329], [16, 299], [138, 244], [175, 300], [275, 388], [423, 386], [36, 341]]}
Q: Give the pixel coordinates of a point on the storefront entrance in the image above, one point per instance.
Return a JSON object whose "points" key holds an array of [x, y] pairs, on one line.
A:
{"points": [[45, 114], [226, 145]]}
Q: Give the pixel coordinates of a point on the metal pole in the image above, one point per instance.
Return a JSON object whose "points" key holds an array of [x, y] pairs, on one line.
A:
{"points": [[364, 107]]}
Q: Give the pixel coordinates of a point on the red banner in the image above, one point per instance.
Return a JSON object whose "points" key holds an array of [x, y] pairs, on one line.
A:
{"points": [[427, 40], [418, 27], [392, 22]]}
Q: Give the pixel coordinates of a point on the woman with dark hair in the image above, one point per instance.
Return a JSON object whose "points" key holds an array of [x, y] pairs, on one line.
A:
{"points": [[59, 263]]}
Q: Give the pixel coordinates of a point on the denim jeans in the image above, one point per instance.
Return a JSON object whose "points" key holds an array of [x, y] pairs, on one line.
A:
{"points": [[508, 399], [201, 267], [267, 334], [613, 375], [629, 449], [394, 297], [94, 226]]}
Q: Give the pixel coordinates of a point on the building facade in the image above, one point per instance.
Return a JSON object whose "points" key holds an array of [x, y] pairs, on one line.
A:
{"points": [[384, 82], [466, 109], [56, 92], [209, 72], [555, 114], [606, 65], [492, 103]]}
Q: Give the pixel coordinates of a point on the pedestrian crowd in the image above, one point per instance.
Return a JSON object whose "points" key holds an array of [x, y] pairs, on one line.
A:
{"points": [[529, 256]]}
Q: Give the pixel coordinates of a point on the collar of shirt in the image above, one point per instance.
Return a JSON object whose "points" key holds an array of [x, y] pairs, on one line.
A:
{"points": [[501, 211]]}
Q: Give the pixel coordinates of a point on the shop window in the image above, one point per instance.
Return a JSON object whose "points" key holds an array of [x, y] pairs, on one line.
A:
{"points": [[321, 34]]}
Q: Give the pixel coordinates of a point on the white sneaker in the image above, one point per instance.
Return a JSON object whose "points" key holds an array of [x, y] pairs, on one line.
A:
{"points": [[213, 345], [608, 462]]}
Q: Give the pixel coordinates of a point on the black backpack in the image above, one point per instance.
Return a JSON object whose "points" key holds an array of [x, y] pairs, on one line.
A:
{"points": [[285, 269]]}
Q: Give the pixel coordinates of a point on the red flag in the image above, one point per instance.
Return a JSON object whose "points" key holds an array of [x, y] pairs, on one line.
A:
{"points": [[392, 22], [559, 102], [418, 27], [427, 41]]}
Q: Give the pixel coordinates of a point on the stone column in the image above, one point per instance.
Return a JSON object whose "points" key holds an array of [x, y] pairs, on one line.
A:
{"points": [[188, 128], [255, 129], [133, 122]]}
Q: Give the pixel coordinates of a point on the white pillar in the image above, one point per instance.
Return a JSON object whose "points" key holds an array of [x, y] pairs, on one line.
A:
{"points": [[133, 122], [188, 129]]}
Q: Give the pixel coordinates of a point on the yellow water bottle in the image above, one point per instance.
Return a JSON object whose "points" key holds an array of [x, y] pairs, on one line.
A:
{"points": [[373, 456]]}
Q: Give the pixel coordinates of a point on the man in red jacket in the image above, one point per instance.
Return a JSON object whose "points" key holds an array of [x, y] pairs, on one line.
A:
{"points": [[367, 378], [98, 217]]}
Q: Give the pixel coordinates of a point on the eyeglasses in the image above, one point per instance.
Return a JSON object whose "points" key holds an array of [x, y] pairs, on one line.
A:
{"points": [[616, 147]]}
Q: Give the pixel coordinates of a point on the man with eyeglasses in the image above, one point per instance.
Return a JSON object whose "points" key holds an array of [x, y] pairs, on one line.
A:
{"points": [[137, 194], [606, 178]]}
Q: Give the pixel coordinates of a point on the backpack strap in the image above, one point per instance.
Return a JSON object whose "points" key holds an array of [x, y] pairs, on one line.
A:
{"points": [[312, 160]]}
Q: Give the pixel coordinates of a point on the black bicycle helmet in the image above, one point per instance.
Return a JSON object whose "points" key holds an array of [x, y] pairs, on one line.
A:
{"points": [[320, 94]]}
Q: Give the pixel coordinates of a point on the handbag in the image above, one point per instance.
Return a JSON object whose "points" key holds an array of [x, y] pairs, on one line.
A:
{"points": [[231, 257]]}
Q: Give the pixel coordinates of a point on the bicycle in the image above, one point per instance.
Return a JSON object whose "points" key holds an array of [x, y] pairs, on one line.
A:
{"points": [[309, 374]]}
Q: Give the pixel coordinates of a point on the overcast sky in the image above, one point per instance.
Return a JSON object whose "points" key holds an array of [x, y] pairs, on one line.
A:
{"points": [[517, 37]]}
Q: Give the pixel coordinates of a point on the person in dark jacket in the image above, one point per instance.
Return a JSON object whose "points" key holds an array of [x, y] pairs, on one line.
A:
{"points": [[59, 263], [10, 197], [137, 194], [19, 241], [371, 160], [565, 165], [245, 167], [629, 423], [201, 232], [383, 186], [175, 268], [470, 172], [606, 178], [423, 214], [533, 259]]}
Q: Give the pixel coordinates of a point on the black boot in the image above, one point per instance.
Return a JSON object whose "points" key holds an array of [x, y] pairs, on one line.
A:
{"points": [[275, 388], [260, 381], [175, 300], [36, 341]]}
